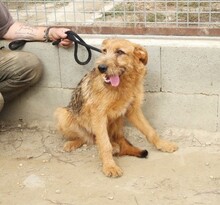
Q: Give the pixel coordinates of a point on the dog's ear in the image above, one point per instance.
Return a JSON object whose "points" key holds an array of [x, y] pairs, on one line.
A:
{"points": [[141, 53], [105, 41]]}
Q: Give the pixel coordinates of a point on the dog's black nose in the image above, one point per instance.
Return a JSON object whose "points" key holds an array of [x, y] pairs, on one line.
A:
{"points": [[102, 68]]}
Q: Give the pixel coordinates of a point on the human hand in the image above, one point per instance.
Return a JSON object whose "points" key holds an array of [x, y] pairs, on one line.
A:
{"points": [[59, 34]]}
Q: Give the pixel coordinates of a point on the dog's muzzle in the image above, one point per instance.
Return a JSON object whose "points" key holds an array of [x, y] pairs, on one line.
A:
{"points": [[114, 80]]}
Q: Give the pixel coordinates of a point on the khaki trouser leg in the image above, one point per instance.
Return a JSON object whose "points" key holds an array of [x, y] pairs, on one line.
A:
{"points": [[18, 71], [1, 102]]}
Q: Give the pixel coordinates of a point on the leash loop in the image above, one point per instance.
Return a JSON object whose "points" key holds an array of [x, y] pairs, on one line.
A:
{"points": [[78, 40]]}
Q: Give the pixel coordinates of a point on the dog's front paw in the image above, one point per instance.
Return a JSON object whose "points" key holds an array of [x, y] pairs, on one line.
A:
{"points": [[166, 146], [112, 171]]}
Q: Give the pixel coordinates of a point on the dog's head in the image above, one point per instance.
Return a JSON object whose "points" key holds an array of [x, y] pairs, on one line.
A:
{"points": [[120, 57]]}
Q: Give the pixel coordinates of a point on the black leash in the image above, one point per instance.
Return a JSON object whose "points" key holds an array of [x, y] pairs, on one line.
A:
{"points": [[72, 36]]}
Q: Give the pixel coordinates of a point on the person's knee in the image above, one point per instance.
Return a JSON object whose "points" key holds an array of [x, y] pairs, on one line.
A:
{"points": [[36, 67], [19, 71], [31, 65]]}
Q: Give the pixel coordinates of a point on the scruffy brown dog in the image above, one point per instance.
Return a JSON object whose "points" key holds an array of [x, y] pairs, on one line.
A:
{"points": [[112, 91]]}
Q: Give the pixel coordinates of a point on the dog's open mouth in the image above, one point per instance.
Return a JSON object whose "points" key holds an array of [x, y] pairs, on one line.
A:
{"points": [[114, 80]]}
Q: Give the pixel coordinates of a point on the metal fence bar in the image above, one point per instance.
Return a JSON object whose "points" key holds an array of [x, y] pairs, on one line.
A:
{"points": [[118, 13]]}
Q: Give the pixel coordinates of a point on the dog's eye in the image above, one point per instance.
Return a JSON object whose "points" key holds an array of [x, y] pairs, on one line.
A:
{"points": [[120, 52], [104, 51]]}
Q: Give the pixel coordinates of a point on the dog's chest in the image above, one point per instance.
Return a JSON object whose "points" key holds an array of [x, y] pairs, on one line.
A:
{"points": [[118, 108]]}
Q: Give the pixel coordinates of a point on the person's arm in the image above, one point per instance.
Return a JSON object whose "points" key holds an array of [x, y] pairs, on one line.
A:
{"points": [[19, 31]]}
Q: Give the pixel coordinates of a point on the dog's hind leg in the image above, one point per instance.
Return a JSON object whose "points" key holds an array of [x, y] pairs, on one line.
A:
{"points": [[125, 147], [73, 144], [70, 129]]}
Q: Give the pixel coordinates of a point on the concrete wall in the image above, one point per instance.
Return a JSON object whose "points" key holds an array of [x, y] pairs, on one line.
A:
{"points": [[182, 85]]}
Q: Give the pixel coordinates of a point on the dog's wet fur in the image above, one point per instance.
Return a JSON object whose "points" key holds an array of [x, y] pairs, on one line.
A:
{"points": [[102, 100]]}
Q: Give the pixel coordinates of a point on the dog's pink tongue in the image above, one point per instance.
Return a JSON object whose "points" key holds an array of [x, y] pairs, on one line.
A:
{"points": [[115, 80]]}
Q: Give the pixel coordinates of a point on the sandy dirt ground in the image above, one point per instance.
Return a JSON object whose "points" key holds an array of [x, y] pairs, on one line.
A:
{"points": [[35, 170]]}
